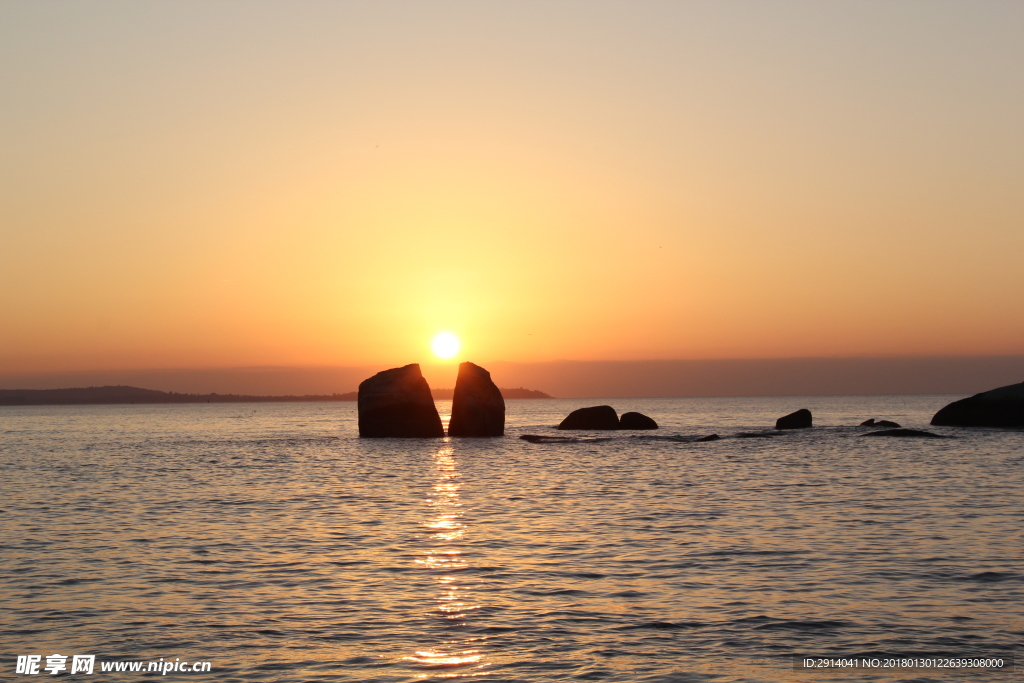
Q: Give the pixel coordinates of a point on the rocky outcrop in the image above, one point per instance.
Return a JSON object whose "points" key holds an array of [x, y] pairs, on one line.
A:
{"points": [[397, 403], [636, 421], [605, 417], [1002, 407], [478, 408], [801, 419], [595, 417], [906, 432], [870, 422]]}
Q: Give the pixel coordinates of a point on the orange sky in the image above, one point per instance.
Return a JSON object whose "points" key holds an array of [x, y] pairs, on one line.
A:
{"points": [[242, 184]]}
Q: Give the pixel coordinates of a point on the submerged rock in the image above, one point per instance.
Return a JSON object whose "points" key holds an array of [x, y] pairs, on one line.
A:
{"points": [[595, 417], [397, 403], [870, 422], [478, 408], [906, 432], [1002, 407], [539, 438], [636, 421], [710, 437], [801, 419]]}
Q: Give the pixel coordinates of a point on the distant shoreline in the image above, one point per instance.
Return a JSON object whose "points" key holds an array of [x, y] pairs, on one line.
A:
{"points": [[115, 395]]}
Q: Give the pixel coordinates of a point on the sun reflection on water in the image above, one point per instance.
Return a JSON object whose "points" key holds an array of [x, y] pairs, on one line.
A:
{"points": [[445, 530]]}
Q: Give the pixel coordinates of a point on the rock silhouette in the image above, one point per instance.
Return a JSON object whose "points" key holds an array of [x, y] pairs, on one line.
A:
{"points": [[478, 408], [397, 403], [1002, 407], [595, 417], [879, 423], [710, 437], [905, 433], [636, 421], [801, 419]]}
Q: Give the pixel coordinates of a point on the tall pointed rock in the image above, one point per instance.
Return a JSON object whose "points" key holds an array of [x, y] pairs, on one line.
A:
{"points": [[397, 403], [477, 406]]}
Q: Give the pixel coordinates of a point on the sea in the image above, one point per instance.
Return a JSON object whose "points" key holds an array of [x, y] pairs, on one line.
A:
{"points": [[268, 542]]}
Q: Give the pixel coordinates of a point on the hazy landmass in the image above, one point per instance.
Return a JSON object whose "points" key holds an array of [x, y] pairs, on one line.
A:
{"points": [[125, 394], [446, 394]]}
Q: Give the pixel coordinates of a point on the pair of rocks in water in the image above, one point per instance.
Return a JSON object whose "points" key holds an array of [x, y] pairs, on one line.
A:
{"points": [[605, 417], [397, 403]]}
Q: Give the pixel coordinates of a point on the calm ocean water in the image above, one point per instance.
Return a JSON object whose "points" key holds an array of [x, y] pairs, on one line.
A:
{"points": [[271, 541]]}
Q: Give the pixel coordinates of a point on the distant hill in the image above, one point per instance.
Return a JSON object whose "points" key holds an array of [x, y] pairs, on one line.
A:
{"points": [[123, 394], [523, 393], [446, 394]]}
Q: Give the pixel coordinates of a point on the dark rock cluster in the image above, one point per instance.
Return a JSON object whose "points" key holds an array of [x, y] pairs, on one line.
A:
{"points": [[605, 417], [398, 403]]}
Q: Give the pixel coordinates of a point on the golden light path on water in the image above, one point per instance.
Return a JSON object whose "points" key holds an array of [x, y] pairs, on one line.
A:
{"points": [[446, 529]]}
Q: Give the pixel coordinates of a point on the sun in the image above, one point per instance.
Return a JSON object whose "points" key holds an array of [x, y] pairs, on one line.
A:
{"points": [[445, 345]]}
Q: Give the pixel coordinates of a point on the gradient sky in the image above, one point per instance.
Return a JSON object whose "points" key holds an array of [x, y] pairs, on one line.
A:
{"points": [[201, 184]]}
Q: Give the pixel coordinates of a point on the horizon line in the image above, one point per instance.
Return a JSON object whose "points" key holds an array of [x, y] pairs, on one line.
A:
{"points": [[538, 362]]}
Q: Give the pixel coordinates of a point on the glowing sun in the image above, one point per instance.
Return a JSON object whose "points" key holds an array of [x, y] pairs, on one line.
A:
{"points": [[445, 345]]}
